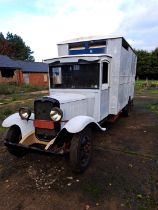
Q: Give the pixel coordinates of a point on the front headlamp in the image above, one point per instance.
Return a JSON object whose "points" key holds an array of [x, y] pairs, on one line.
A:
{"points": [[24, 113], [56, 114]]}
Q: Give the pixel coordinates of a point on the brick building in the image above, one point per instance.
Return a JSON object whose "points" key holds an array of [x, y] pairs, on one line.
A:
{"points": [[34, 73], [23, 72]]}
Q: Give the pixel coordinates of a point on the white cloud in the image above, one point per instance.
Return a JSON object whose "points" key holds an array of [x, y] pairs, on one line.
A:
{"points": [[140, 24], [65, 19], [69, 20]]}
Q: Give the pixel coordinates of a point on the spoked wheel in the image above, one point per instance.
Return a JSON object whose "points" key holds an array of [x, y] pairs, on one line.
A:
{"points": [[13, 135], [81, 150]]}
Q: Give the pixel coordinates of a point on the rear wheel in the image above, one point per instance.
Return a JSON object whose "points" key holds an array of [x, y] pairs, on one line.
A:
{"points": [[81, 150], [127, 108], [125, 111], [13, 135]]}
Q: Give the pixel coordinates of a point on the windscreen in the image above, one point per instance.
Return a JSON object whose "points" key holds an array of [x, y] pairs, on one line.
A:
{"points": [[76, 76]]}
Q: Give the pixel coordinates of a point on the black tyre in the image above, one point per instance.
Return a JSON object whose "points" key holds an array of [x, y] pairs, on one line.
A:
{"points": [[13, 135], [128, 108], [81, 150], [131, 105], [125, 111]]}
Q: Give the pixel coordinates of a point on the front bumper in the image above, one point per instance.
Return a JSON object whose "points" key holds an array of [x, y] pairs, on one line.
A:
{"points": [[31, 148]]}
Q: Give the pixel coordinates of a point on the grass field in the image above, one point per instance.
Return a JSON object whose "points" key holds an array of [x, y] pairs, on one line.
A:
{"points": [[148, 88], [13, 93], [12, 97], [10, 89]]}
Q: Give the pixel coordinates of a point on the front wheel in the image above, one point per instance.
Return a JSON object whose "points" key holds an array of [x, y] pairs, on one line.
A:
{"points": [[13, 135], [81, 150]]}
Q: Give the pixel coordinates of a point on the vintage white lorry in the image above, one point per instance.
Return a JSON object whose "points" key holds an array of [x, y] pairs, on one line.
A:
{"points": [[91, 80]]}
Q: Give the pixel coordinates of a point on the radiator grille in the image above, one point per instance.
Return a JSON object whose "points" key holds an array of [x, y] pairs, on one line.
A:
{"points": [[42, 108]]}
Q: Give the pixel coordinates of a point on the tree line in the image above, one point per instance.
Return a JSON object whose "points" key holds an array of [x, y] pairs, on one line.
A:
{"points": [[147, 64], [13, 46]]}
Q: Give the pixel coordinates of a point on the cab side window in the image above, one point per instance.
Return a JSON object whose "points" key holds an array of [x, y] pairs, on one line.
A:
{"points": [[105, 73]]}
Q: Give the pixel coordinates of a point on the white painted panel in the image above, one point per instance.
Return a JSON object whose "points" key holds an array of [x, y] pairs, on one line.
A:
{"points": [[92, 98], [114, 49], [77, 108], [104, 104], [63, 49], [127, 77]]}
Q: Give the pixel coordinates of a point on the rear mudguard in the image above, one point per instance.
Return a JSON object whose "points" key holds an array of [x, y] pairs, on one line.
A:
{"points": [[74, 125]]}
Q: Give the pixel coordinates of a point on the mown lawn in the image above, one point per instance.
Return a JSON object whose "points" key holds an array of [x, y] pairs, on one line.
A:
{"points": [[9, 89], [148, 88]]}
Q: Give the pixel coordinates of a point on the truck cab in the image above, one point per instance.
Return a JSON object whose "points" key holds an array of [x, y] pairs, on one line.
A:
{"points": [[83, 81]]}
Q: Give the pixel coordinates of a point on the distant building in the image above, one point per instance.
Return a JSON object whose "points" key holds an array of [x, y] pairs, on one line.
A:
{"points": [[34, 73], [23, 72]]}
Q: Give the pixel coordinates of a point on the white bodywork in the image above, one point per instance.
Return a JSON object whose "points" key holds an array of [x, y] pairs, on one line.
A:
{"points": [[92, 102], [75, 104], [78, 123], [84, 106], [25, 126], [112, 97]]}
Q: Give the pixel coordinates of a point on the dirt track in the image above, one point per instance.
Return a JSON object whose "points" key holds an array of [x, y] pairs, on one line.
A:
{"points": [[122, 175]]}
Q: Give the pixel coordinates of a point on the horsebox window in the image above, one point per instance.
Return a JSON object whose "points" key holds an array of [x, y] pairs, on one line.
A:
{"points": [[76, 46], [97, 44]]}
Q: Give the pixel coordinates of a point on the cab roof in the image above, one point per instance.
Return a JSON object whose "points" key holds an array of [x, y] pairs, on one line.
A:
{"points": [[74, 58], [90, 38]]}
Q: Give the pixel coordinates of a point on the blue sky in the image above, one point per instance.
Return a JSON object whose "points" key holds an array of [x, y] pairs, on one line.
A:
{"points": [[43, 23]]}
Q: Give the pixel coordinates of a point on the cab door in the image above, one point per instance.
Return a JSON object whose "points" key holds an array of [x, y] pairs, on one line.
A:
{"points": [[104, 98]]}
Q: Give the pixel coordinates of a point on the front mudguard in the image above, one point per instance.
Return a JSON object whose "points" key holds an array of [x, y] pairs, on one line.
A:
{"points": [[78, 123], [26, 126], [75, 125]]}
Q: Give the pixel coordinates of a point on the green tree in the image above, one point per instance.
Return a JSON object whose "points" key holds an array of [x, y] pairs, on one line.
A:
{"points": [[4, 46], [14, 46], [143, 63], [1, 36], [147, 64], [154, 62]]}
